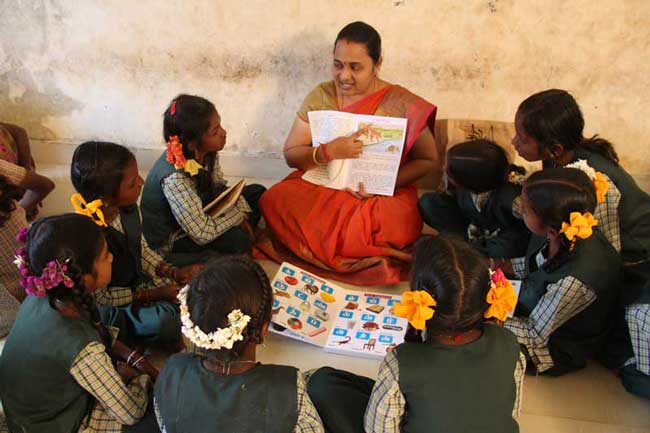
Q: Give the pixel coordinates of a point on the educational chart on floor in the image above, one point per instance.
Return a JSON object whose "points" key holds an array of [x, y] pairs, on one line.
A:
{"points": [[311, 309]]}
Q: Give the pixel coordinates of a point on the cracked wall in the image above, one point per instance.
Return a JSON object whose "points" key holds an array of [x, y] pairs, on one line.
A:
{"points": [[72, 70]]}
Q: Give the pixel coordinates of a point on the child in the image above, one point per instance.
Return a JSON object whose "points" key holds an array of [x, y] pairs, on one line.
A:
{"points": [[479, 203], [11, 220], [22, 192], [226, 312], [56, 372], [570, 273], [635, 373], [549, 127], [455, 365], [143, 288], [187, 177]]}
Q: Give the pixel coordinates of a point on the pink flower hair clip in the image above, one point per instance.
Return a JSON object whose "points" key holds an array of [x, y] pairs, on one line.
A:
{"points": [[53, 275]]}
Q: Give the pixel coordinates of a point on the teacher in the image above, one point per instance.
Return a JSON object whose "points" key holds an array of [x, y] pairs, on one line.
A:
{"points": [[351, 236]]}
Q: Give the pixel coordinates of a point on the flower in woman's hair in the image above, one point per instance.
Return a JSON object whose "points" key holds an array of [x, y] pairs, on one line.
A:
{"points": [[501, 296], [579, 226], [601, 186], [415, 307]]}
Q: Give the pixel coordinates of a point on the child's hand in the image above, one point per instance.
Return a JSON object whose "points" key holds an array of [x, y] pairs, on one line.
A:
{"points": [[168, 293], [126, 372], [145, 367], [184, 274]]}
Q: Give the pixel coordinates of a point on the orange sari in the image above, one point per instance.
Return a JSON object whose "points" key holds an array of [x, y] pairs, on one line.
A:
{"points": [[330, 232]]}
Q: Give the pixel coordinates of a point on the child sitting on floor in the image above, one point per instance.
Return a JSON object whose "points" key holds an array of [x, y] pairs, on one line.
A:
{"points": [[56, 371], [186, 177], [478, 204], [226, 312], [456, 364], [141, 295], [570, 273]]}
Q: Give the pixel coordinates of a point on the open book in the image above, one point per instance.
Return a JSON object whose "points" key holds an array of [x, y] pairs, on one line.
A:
{"points": [[225, 200], [313, 310], [383, 142]]}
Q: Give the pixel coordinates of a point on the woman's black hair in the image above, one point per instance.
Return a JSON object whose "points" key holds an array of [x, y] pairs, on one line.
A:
{"points": [[554, 117], [362, 33], [226, 284], [74, 240], [458, 278], [553, 194], [97, 168], [189, 120], [479, 165], [9, 193]]}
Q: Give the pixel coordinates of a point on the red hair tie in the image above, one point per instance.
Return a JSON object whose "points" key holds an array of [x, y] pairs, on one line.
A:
{"points": [[172, 110]]}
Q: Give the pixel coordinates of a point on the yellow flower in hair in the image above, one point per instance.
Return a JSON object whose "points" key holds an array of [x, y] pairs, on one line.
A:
{"points": [[192, 167], [601, 185], [580, 226], [92, 210], [501, 297], [415, 307]]}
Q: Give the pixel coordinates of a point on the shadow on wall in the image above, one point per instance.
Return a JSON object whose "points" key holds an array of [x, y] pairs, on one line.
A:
{"points": [[294, 68]]}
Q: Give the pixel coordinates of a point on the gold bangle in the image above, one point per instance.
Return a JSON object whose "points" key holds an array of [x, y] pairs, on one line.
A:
{"points": [[313, 156]]}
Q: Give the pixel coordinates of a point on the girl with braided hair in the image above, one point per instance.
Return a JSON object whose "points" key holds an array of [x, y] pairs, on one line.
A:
{"points": [[185, 178], [429, 383], [570, 273], [226, 312], [141, 297], [60, 371]]}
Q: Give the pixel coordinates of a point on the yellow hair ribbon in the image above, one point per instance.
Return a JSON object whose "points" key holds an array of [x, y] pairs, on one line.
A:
{"points": [[601, 186], [415, 307], [501, 297], [192, 167], [92, 210]]}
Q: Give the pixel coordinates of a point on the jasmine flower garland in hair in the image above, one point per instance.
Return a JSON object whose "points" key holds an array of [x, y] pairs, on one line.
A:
{"points": [[222, 338]]}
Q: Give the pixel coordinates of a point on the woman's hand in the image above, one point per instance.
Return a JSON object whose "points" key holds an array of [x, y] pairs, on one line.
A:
{"points": [[361, 194], [346, 147]]}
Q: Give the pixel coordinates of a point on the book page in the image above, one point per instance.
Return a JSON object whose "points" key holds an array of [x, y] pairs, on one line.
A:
{"points": [[383, 143], [304, 305], [325, 126], [365, 326]]}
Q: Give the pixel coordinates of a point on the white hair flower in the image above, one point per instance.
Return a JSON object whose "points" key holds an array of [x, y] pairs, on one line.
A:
{"points": [[582, 164], [222, 338]]}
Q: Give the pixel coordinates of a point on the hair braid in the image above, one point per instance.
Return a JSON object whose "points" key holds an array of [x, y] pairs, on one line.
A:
{"points": [[253, 331]]}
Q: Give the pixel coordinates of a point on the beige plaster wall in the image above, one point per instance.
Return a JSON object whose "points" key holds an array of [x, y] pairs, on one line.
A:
{"points": [[75, 70]]}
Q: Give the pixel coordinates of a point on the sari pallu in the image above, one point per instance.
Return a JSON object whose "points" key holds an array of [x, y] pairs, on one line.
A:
{"points": [[333, 234]]}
